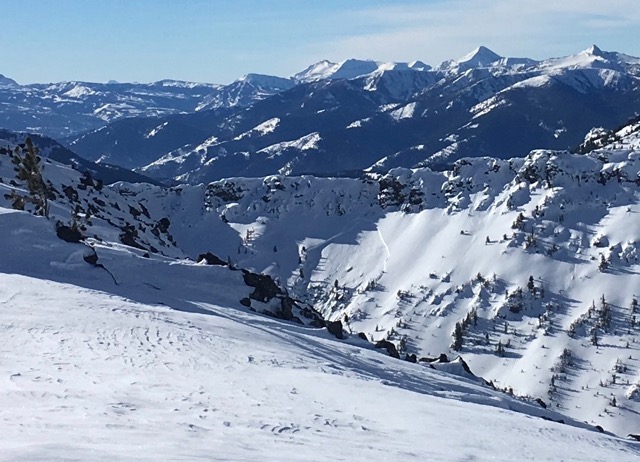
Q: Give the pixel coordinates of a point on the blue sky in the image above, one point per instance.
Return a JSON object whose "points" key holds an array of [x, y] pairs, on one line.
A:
{"points": [[219, 41]]}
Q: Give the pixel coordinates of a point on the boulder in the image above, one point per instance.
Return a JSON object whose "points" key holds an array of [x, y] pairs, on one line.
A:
{"points": [[390, 347], [68, 234], [211, 259], [335, 329]]}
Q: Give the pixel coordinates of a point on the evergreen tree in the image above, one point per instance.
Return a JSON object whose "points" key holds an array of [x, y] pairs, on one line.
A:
{"points": [[27, 167], [457, 337]]}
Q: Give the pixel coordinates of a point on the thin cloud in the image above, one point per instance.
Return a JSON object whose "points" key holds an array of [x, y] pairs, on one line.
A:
{"points": [[440, 30]]}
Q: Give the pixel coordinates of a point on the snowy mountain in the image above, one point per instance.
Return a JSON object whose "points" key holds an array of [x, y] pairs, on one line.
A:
{"points": [[351, 69], [6, 82], [365, 115], [120, 322], [66, 108]]}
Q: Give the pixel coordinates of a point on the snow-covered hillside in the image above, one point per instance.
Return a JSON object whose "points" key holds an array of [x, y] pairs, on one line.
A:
{"points": [[89, 375], [519, 252], [536, 259], [528, 267], [112, 350]]}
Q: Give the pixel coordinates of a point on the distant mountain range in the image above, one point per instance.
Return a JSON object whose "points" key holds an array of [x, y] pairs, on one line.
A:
{"points": [[337, 118], [65, 108]]}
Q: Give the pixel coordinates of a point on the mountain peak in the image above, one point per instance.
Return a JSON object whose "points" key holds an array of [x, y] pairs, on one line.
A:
{"points": [[594, 51], [267, 80], [349, 69], [481, 56], [7, 82]]}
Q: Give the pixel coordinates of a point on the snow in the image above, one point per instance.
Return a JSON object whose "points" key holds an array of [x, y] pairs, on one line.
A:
{"points": [[79, 91], [354, 68], [156, 130], [434, 248], [358, 123], [305, 143], [404, 112], [266, 127], [163, 367], [487, 106], [156, 358], [480, 57]]}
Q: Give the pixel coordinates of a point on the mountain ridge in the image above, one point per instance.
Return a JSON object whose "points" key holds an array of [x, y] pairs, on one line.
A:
{"points": [[403, 118]]}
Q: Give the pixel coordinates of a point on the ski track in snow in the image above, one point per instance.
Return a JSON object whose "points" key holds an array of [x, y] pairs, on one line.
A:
{"points": [[384, 243]]}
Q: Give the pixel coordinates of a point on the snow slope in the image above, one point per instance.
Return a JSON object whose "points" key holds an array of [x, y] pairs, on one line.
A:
{"points": [[408, 255], [405, 256], [95, 371]]}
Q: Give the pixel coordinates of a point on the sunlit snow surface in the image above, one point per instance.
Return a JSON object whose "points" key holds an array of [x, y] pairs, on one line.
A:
{"points": [[161, 367], [167, 365], [90, 376]]}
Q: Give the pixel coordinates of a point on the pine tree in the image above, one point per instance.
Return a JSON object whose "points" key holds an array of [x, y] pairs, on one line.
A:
{"points": [[27, 167], [457, 337], [603, 265]]}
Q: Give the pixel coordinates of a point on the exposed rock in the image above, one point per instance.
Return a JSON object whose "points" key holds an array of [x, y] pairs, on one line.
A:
{"points": [[465, 366], [92, 258], [128, 237], [412, 358], [265, 287], [541, 403], [390, 347], [68, 234], [335, 329], [211, 259]]}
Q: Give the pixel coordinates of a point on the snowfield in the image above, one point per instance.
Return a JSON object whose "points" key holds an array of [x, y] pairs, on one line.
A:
{"points": [[89, 375], [124, 347]]}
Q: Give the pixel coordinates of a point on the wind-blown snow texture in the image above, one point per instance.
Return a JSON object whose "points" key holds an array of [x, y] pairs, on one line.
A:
{"points": [[151, 356]]}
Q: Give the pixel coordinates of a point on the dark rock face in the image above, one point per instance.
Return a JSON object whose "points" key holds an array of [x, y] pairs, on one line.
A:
{"points": [[92, 259], [544, 417], [264, 286], [363, 336], [265, 289], [335, 329], [68, 234], [541, 403], [211, 259], [412, 358], [128, 237], [390, 347], [70, 193], [246, 302], [163, 225]]}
